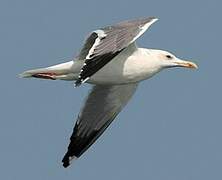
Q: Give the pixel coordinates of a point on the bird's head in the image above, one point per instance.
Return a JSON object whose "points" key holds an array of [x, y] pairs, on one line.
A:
{"points": [[167, 60]]}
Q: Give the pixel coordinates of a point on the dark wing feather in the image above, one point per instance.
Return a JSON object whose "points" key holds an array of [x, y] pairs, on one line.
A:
{"points": [[101, 107], [87, 46]]}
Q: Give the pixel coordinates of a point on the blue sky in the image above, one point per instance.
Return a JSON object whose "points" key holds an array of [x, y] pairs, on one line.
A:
{"points": [[171, 129]]}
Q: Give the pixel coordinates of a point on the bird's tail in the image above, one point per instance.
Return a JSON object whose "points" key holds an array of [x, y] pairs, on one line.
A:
{"points": [[43, 73], [60, 71]]}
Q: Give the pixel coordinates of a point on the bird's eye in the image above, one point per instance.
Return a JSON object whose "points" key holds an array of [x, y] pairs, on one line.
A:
{"points": [[169, 56]]}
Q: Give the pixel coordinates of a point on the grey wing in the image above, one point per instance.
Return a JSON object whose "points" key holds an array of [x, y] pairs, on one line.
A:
{"points": [[101, 107], [106, 43]]}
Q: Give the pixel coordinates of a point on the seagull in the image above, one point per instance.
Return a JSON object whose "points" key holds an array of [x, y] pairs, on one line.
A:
{"points": [[111, 61]]}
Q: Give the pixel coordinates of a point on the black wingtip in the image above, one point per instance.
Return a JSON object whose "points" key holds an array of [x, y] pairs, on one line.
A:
{"points": [[78, 83], [65, 161], [65, 165]]}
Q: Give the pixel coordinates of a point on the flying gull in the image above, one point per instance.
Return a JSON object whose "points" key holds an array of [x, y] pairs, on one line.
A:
{"points": [[111, 61]]}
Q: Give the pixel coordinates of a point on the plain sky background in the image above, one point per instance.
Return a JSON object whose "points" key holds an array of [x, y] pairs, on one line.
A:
{"points": [[170, 130]]}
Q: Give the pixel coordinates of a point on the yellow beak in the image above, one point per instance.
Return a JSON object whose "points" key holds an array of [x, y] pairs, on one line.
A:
{"points": [[186, 64]]}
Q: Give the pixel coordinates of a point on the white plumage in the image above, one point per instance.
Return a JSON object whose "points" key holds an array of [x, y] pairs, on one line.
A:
{"points": [[112, 62]]}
